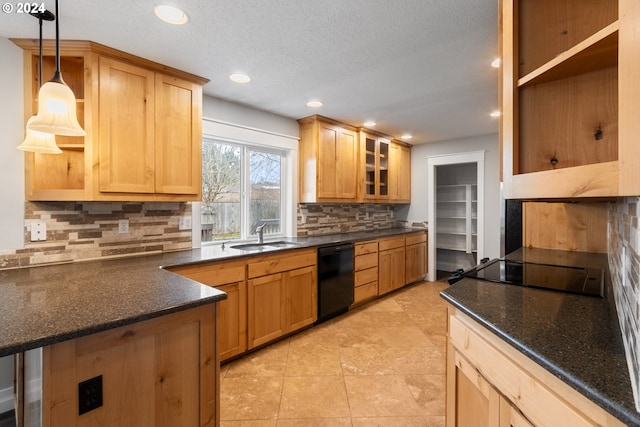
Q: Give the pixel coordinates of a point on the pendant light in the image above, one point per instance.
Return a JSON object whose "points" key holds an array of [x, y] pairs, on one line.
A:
{"points": [[40, 142], [56, 102]]}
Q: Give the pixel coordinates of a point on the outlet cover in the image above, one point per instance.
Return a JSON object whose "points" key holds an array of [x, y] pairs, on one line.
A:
{"points": [[123, 226], [184, 223], [89, 395], [38, 231]]}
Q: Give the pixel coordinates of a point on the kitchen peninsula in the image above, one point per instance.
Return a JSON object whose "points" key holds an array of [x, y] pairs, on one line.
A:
{"points": [[148, 335]]}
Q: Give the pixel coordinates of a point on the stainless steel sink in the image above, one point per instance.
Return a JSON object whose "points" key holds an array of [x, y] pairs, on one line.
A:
{"points": [[265, 245]]}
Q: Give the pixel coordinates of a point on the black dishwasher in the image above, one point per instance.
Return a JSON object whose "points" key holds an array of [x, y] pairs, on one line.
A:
{"points": [[335, 280]]}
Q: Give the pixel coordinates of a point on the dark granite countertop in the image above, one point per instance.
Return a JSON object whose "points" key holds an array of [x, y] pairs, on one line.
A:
{"points": [[576, 338], [47, 304]]}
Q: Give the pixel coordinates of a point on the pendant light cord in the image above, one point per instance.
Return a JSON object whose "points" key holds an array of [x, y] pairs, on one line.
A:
{"points": [[57, 76], [40, 57]]}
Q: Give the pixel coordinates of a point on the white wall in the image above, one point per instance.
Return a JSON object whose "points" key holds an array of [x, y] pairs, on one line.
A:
{"points": [[11, 135], [226, 111], [417, 210]]}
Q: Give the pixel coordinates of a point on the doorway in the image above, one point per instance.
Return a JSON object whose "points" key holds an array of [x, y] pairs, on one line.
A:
{"points": [[455, 212]]}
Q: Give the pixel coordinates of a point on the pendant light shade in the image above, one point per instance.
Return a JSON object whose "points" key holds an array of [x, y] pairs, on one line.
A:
{"points": [[56, 101], [39, 142], [56, 110]]}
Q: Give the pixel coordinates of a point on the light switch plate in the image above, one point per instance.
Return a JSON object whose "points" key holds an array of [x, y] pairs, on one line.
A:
{"points": [[38, 231], [123, 226]]}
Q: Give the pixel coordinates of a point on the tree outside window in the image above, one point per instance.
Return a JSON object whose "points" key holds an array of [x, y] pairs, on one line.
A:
{"points": [[229, 172]]}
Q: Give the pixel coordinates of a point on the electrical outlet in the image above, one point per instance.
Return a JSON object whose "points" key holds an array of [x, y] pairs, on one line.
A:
{"points": [[38, 231], [123, 226], [184, 223], [89, 395]]}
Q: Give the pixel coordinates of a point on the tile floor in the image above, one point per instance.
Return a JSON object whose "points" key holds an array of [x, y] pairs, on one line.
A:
{"points": [[382, 364]]}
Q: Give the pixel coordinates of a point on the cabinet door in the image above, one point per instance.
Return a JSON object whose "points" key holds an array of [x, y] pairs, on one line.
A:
{"points": [[178, 118], [233, 320], [416, 262], [390, 270], [266, 312], [127, 126], [301, 302], [336, 162], [471, 400], [403, 166]]}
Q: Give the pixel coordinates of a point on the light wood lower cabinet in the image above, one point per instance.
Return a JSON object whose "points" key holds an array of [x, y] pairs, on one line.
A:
{"points": [[228, 276], [158, 372], [282, 295], [490, 383], [415, 257], [391, 259]]}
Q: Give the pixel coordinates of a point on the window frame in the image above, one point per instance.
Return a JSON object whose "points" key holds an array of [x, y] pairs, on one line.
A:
{"points": [[262, 140]]}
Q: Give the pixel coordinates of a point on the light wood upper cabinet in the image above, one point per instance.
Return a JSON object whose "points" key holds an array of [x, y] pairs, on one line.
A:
{"points": [[399, 173], [343, 164], [143, 124], [328, 159], [374, 167], [127, 127], [569, 98]]}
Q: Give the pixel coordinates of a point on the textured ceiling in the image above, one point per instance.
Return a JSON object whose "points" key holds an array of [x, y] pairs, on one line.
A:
{"points": [[417, 66]]}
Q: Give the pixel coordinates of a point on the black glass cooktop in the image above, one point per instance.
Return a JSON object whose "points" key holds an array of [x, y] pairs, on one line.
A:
{"points": [[577, 280]]}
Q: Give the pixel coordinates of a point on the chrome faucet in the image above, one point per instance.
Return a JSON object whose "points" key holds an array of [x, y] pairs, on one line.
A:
{"points": [[260, 231]]}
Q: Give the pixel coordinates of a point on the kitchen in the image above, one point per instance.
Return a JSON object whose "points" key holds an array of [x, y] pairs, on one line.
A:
{"points": [[225, 112]]}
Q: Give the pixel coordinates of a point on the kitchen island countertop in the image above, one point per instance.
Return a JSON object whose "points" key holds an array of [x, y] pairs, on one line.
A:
{"points": [[576, 338], [42, 305]]}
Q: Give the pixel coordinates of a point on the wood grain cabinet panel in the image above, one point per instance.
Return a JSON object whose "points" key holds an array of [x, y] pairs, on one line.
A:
{"points": [[365, 266], [399, 173], [569, 98], [391, 264], [266, 310], [230, 277], [301, 300], [158, 372]]}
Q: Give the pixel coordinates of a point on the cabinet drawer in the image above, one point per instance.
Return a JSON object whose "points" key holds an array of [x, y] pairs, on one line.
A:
{"points": [[364, 292], [365, 261], [391, 243], [366, 276], [532, 397], [290, 260], [412, 239], [214, 274], [365, 248]]}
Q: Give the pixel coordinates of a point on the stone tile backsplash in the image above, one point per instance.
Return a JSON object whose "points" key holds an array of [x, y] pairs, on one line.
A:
{"points": [[318, 219], [88, 230], [624, 263]]}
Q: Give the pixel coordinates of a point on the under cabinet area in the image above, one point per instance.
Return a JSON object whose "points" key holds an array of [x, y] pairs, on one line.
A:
{"points": [[569, 101], [490, 383], [143, 124]]}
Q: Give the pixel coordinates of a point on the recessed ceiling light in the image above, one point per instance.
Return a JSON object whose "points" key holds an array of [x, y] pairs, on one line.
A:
{"points": [[171, 14], [495, 114], [315, 104], [369, 123], [240, 78], [406, 136], [496, 63]]}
